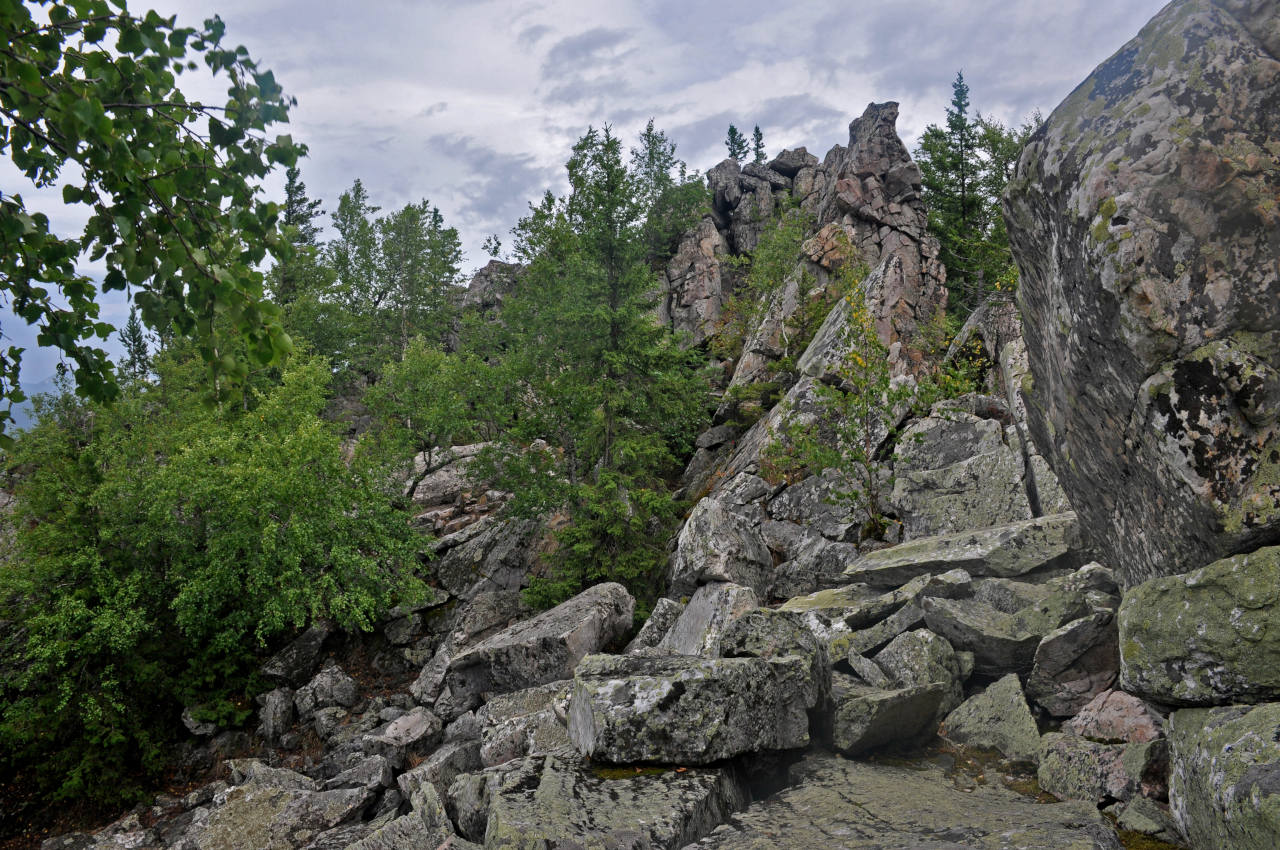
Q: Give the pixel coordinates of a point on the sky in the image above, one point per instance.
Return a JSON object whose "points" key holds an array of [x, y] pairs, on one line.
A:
{"points": [[474, 104]]}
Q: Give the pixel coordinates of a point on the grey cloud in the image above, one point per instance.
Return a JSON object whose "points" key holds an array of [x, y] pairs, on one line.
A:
{"points": [[434, 109], [497, 186], [530, 36], [573, 55]]}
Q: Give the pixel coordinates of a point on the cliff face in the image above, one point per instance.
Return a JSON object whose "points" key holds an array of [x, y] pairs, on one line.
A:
{"points": [[864, 197], [1144, 220]]}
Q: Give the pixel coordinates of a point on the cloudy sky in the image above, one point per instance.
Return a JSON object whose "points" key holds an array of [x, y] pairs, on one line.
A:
{"points": [[474, 104]]}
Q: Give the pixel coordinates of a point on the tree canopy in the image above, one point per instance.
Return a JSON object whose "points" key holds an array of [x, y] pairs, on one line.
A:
{"points": [[89, 101]]}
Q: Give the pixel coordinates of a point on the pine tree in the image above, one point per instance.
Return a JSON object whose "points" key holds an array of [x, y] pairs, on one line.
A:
{"points": [[671, 199], [757, 146], [736, 143], [137, 358]]}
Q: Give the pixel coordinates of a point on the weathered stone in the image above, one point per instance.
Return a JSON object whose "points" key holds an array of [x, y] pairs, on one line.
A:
{"points": [[1075, 663], [869, 640], [768, 634], [491, 555], [713, 608], [996, 719], [814, 503], [717, 544], [543, 649], [943, 438], [854, 805], [687, 710], [556, 804], [1207, 637], [372, 773], [980, 491], [789, 162], [1224, 786], [441, 768], [867, 719], [1074, 768], [922, 658], [297, 663], [330, 687], [1142, 211], [1007, 550], [869, 672], [268, 817], [529, 722], [664, 616], [276, 715], [1147, 817], [415, 733], [1116, 717]]}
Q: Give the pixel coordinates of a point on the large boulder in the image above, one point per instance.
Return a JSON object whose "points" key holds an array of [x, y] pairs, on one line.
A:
{"points": [[996, 719], [1207, 637], [541, 650], [1224, 785], [869, 718], [1005, 551], [1075, 663], [679, 709], [717, 544], [557, 805], [1143, 219], [713, 608]]}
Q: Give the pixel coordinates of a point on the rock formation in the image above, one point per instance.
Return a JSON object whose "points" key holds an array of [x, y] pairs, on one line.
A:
{"points": [[1144, 219]]}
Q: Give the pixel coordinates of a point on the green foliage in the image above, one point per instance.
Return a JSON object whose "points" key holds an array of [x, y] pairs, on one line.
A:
{"points": [[296, 272], [853, 411], [965, 167], [428, 402], [673, 200], [736, 143], [137, 359], [607, 403], [758, 155], [159, 545], [90, 98], [380, 283], [765, 271]]}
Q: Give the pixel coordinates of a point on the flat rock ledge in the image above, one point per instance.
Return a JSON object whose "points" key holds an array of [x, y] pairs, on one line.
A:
{"points": [[835, 803]]}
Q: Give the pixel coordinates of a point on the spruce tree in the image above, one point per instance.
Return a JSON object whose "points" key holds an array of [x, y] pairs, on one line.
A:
{"points": [[293, 273], [607, 388], [137, 359], [757, 146], [736, 143]]}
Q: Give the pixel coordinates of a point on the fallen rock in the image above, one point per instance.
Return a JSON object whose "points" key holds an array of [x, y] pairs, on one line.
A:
{"points": [[1137, 212], [297, 663], [981, 491], [1074, 768], [269, 817], [1147, 817], [867, 641], [1224, 785], [1207, 637], [552, 804], [1006, 551], [855, 805], [922, 658], [719, 545], [1075, 663], [867, 718], [996, 719], [529, 722], [543, 649], [1116, 717], [330, 687], [703, 622], [768, 634], [664, 615], [687, 710]]}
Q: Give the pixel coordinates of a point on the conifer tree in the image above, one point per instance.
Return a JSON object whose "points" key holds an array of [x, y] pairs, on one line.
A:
{"points": [[137, 359], [297, 271], [671, 199], [757, 146], [607, 388], [736, 143]]}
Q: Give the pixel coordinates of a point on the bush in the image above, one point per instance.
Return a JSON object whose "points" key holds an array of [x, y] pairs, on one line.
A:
{"points": [[159, 547]]}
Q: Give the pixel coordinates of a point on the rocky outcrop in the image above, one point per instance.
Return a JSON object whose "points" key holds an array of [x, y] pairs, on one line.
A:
{"points": [[696, 285], [1208, 637], [1143, 219]]}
